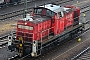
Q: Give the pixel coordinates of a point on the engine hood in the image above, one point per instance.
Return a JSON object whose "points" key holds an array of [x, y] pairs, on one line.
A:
{"points": [[38, 19]]}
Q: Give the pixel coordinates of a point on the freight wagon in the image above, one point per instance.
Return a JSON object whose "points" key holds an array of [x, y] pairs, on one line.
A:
{"points": [[44, 28]]}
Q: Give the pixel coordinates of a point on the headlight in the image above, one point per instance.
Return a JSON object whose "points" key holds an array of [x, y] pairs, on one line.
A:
{"points": [[34, 44], [9, 40]]}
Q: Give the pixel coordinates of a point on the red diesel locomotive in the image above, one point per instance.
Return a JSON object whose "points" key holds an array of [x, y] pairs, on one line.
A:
{"points": [[45, 27]]}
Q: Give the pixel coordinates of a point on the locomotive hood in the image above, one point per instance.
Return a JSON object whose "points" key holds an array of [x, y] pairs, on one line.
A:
{"points": [[38, 19]]}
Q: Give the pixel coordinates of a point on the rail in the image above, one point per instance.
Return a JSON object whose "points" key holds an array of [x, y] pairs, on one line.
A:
{"points": [[3, 39], [20, 12], [5, 36], [81, 53]]}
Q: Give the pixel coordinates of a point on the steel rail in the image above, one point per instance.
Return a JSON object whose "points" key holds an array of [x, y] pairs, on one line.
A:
{"points": [[81, 53], [4, 38], [85, 9], [20, 12]]}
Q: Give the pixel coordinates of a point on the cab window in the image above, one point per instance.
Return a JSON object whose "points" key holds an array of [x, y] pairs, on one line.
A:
{"points": [[38, 11], [53, 13], [60, 15], [49, 13]]}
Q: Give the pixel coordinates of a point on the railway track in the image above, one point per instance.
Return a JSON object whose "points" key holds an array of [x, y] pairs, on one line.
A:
{"points": [[20, 12], [83, 55], [85, 9], [4, 39], [29, 10], [22, 2]]}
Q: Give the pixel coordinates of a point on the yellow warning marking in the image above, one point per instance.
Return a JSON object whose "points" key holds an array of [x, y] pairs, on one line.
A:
{"points": [[20, 45]]}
